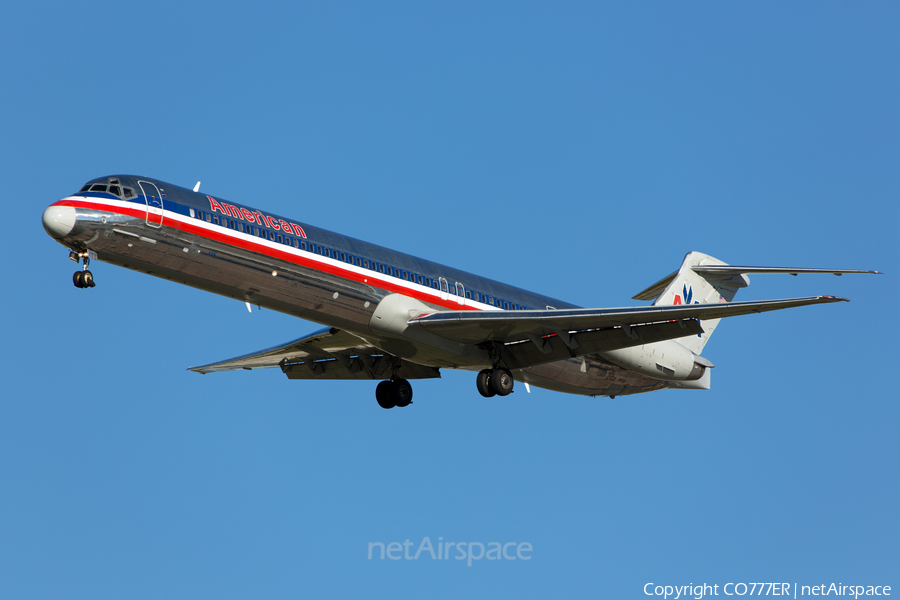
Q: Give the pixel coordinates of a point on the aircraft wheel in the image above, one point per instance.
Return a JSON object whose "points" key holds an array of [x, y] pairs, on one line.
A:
{"points": [[78, 279], [403, 393], [89, 279], [384, 394], [502, 382], [483, 383]]}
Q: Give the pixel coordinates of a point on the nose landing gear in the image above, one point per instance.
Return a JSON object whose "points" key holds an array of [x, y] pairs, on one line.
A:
{"points": [[83, 278]]}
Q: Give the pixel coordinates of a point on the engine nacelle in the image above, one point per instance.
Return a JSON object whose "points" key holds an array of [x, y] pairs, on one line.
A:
{"points": [[662, 360]]}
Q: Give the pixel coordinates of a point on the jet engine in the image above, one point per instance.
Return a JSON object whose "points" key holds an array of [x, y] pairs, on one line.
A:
{"points": [[662, 360]]}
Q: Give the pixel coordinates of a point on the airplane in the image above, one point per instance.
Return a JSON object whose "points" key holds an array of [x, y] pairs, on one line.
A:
{"points": [[392, 317]]}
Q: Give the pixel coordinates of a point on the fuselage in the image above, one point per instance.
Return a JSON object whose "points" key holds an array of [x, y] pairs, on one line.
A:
{"points": [[299, 269]]}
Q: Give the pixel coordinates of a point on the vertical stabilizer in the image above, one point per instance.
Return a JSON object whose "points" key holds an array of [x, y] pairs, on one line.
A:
{"points": [[690, 287]]}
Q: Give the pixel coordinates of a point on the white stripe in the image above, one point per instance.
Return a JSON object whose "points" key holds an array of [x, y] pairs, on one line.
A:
{"points": [[306, 254]]}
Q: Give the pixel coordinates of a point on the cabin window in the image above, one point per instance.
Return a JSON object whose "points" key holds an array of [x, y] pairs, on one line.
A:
{"points": [[343, 257], [287, 240], [215, 219], [208, 218], [278, 238], [358, 261], [403, 274], [381, 268], [303, 245], [491, 300], [468, 294], [421, 279], [191, 211], [505, 305], [296, 243]]}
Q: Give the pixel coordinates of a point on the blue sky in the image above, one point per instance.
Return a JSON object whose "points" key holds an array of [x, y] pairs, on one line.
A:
{"points": [[578, 150]]}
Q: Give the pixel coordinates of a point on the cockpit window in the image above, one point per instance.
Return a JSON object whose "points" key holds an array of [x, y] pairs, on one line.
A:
{"points": [[114, 187]]}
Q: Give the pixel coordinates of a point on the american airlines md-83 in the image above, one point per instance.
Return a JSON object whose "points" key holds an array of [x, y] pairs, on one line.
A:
{"points": [[394, 317]]}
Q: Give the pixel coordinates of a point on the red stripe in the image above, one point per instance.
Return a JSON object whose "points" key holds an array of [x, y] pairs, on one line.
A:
{"points": [[270, 252]]}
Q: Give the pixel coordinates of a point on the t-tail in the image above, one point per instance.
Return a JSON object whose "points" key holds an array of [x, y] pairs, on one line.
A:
{"points": [[703, 279]]}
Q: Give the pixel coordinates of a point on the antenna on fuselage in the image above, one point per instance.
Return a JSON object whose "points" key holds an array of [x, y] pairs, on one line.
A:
{"points": [[197, 187]]}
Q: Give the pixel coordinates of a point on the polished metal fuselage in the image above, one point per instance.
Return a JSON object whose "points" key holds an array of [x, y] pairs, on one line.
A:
{"points": [[149, 245]]}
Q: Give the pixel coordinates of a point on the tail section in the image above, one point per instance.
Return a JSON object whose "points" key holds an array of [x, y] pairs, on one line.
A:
{"points": [[687, 286]]}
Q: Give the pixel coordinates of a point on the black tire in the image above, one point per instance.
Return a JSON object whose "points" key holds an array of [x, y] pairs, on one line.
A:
{"points": [[403, 393], [502, 382], [384, 394], [78, 279], [89, 279], [483, 383]]}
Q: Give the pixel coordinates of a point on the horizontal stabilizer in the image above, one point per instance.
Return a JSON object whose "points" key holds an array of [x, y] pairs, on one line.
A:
{"points": [[713, 271], [738, 270]]}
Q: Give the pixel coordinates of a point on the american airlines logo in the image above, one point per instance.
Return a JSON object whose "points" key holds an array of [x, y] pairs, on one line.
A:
{"points": [[255, 216], [686, 298]]}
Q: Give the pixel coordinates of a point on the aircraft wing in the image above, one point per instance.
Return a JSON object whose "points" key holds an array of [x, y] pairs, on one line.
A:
{"points": [[527, 337], [325, 354], [533, 337], [474, 327]]}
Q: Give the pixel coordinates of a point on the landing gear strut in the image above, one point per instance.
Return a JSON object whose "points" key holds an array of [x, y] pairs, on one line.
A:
{"points": [[494, 382], [82, 278], [396, 392]]}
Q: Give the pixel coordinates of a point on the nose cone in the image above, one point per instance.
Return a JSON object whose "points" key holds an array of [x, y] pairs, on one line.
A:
{"points": [[59, 221]]}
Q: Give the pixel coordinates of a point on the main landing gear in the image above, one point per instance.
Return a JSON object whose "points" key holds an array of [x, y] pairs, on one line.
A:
{"points": [[82, 278], [494, 382], [395, 392]]}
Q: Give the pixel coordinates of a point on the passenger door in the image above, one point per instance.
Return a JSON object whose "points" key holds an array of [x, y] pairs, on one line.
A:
{"points": [[153, 198]]}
